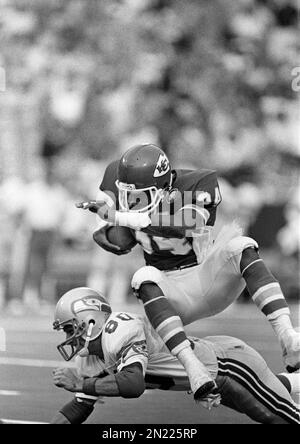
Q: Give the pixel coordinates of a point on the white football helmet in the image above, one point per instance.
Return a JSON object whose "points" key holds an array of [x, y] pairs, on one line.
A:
{"points": [[81, 313]]}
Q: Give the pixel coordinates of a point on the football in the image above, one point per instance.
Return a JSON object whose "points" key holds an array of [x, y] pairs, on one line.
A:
{"points": [[122, 237]]}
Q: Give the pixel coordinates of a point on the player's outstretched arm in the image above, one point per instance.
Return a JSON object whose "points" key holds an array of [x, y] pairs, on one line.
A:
{"points": [[127, 383]]}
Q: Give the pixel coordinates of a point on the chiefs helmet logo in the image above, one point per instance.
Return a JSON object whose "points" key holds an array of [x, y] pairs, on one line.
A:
{"points": [[162, 167]]}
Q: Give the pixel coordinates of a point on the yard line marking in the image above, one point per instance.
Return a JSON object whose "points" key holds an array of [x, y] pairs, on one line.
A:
{"points": [[16, 421], [35, 363], [9, 393]]}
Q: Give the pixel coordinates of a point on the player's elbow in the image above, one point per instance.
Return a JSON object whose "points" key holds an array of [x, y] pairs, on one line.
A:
{"points": [[139, 394], [133, 393], [131, 382], [134, 390], [139, 389]]}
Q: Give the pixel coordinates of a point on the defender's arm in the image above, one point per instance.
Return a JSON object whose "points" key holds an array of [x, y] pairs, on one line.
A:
{"points": [[128, 383]]}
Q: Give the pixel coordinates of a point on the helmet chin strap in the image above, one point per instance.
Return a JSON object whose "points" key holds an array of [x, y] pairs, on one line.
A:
{"points": [[85, 351]]}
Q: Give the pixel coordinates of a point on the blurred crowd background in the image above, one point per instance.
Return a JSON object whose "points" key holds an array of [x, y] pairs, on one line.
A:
{"points": [[210, 81]]}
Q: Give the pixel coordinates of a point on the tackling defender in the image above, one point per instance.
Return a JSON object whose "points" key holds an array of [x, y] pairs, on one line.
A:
{"points": [[189, 274], [121, 355]]}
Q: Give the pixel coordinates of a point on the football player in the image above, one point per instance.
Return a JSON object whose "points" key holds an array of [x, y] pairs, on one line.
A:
{"points": [[120, 354], [190, 273]]}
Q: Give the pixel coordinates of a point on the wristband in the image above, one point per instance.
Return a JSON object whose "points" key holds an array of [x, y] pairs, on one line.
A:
{"points": [[135, 221], [89, 386]]}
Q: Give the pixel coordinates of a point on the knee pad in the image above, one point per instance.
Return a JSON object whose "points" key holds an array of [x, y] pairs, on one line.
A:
{"points": [[146, 275], [239, 244]]}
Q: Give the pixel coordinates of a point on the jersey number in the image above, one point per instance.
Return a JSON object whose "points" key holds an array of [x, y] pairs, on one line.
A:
{"points": [[112, 325], [206, 198], [178, 247]]}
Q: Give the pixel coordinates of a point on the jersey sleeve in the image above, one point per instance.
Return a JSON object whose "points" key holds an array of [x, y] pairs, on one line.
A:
{"points": [[199, 195], [108, 183], [125, 341]]}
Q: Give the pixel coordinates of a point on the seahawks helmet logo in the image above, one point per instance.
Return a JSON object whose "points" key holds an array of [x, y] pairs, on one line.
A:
{"points": [[87, 304], [162, 167]]}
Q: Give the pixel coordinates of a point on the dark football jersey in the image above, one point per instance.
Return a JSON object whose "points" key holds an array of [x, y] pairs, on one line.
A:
{"points": [[165, 247]]}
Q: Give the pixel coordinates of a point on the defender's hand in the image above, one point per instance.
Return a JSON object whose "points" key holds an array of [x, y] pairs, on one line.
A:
{"points": [[67, 379]]}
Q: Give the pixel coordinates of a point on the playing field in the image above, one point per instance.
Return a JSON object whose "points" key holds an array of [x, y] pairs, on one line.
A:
{"points": [[27, 393]]}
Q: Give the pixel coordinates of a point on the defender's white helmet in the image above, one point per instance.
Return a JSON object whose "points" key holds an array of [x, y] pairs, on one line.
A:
{"points": [[82, 314]]}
